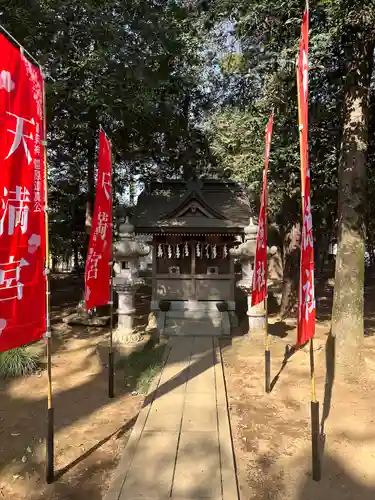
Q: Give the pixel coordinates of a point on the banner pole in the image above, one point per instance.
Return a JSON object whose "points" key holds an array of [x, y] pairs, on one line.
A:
{"points": [[111, 366], [314, 404], [16, 42], [267, 352], [50, 410]]}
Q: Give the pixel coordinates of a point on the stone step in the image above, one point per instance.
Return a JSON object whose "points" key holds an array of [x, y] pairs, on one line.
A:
{"points": [[198, 315], [192, 327]]}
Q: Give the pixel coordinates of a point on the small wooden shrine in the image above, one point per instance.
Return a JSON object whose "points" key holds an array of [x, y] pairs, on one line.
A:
{"points": [[192, 224]]}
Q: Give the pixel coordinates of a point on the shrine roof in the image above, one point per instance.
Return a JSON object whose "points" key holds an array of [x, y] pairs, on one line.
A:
{"points": [[208, 206]]}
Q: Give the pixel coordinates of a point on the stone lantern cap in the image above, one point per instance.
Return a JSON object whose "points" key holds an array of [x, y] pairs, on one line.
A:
{"points": [[128, 247], [251, 230], [247, 249]]}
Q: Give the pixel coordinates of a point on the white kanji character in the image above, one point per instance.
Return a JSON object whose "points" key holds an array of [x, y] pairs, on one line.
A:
{"points": [[160, 250], [307, 234], [186, 249], [309, 298], [305, 75], [6, 81], [260, 277], [178, 252], [3, 324], [101, 228], [107, 185], [207, 251], [93, 265], [169, 252], [261, 234], [88, 293], [19, 136], [214, 252], [17, 209], [268, 146], [225, 251], [10, 279], [37, 140]]}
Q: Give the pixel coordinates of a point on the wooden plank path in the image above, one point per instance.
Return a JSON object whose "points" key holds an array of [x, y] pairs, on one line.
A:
{"points": [[181, 445]]}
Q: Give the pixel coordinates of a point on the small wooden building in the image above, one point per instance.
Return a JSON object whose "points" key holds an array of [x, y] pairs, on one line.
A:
{"points": [[192, 225]]}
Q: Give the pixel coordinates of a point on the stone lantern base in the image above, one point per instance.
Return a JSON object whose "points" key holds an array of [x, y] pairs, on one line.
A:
{"points": [[257, 318], [124, 333]]}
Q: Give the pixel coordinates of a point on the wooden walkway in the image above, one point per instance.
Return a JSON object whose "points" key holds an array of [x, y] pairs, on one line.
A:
{"points": [[181, 446]]}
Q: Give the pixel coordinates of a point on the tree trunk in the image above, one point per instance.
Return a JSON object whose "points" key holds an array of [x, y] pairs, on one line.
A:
{"points": [[91, 160], [348, 301], [75, 257], [291, 255]]}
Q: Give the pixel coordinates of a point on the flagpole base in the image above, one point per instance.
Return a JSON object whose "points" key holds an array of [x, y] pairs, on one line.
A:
{"points": [[50, 473], [111, 370], [316, 465], [267, 360]]}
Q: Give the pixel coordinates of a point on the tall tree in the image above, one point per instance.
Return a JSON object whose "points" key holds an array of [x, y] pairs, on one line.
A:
{"points": [[262, 76], [134, 68], [348, 305]]}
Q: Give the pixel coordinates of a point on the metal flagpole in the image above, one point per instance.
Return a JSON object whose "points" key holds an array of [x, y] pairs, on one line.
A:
{"points": [[50, 410], [111, 366], [316, 468], [267, 352], [6, 32]]}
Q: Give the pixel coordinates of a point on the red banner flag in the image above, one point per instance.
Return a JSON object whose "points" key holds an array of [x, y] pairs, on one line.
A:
{"points": [[22, 200], [306, 306], [98, 272], [259, 285]]}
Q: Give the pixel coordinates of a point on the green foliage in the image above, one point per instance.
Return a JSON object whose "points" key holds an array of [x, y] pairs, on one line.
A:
{"points": [[142, 367], [18, 362], [268, 35], [134, 68]]}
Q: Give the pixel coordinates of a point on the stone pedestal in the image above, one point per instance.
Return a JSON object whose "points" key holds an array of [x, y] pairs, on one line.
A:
{"points": [[257, 316], [246, 255], [124, 332], [127, 252]]}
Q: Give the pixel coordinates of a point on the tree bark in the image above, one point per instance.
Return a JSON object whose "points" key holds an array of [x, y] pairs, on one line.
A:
{"points": [[91, 160], [348, 302], [291, 256]]}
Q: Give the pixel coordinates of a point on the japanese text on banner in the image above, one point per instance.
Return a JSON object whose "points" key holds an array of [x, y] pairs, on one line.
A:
{"points": [[306, 296], [259, 285], [98, 272], [22, 200]]}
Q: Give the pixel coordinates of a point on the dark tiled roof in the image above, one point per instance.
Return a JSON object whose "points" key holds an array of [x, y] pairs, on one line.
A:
{"points": [[158, 204]]}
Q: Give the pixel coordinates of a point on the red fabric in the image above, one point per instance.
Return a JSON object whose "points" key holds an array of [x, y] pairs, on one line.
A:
{"points": [[22, 200], [306, 306], [259, 285], [98, 272]]}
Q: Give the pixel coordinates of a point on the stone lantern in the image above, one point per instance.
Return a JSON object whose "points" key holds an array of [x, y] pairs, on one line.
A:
{"points": [[245, 253], [126, 254]]}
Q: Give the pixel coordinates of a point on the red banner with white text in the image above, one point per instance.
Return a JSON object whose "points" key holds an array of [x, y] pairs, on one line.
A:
{"points": [[22, 200], [98, 271], [259, 285], [306, 306]]}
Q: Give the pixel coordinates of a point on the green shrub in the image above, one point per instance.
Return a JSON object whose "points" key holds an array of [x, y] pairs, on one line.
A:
{"points": [[18, 362], [141, 368]]}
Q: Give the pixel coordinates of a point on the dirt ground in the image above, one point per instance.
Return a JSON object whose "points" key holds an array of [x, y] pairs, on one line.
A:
{"points": [[271, 433], [91, 430]]}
